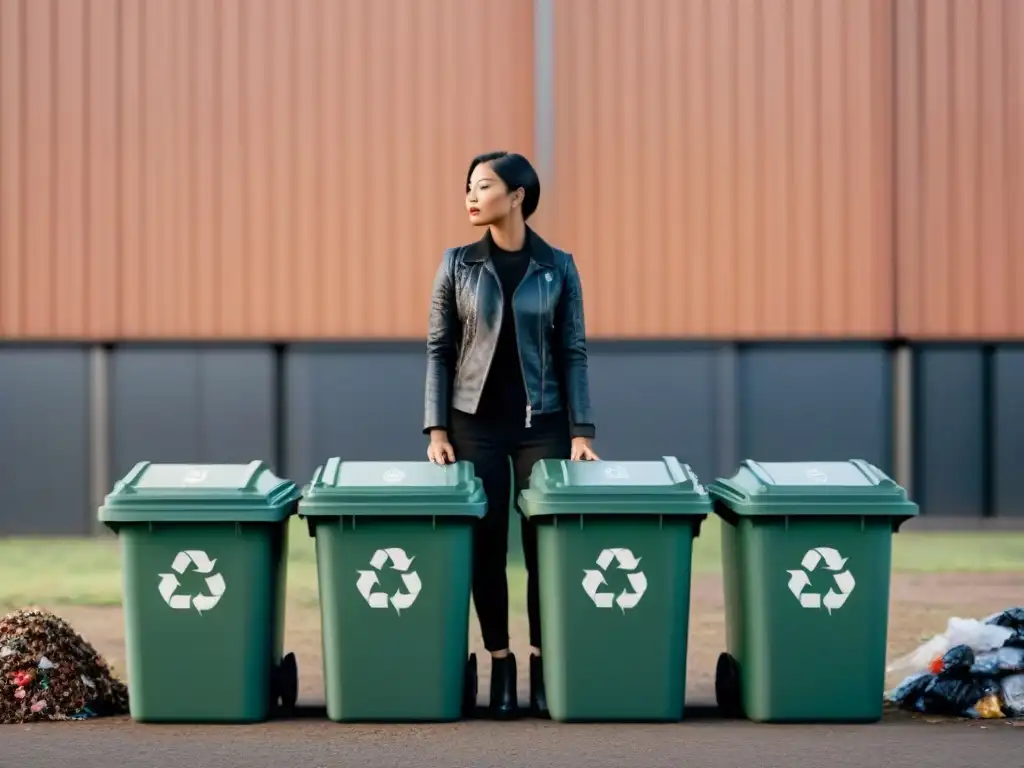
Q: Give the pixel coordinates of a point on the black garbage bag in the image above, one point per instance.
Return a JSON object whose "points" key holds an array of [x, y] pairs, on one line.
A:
{"points": [[1013, 695], [955, 662], [1013, 618], [1016, 640], [956, 696], [1008, 660], [907, 693]]}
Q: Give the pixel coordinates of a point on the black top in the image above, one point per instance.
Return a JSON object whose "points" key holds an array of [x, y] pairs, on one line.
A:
{"points": [[504, 394]]}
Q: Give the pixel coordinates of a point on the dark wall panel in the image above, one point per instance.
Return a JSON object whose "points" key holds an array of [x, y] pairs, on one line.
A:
{"points": [[238, 394], [656, 400], [44, 431], [816, 403], [1008, 431], [709, 405], [368, 403], [361, 403], [949, 431], [209, 405]]}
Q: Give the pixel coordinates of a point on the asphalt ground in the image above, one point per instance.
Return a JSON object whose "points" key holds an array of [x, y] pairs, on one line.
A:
{"points": [[702, 739]]}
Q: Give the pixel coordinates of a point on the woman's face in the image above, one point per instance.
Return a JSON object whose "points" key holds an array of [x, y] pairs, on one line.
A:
{"points": [[488, 199]]}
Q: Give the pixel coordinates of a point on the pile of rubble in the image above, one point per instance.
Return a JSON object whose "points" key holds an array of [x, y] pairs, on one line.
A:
{"points": [[48, 672]]}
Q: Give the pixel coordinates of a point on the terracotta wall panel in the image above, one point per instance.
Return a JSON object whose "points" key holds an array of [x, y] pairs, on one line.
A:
{"points": [[244, 168], [724, 167], [12, 173], [960, 147]]}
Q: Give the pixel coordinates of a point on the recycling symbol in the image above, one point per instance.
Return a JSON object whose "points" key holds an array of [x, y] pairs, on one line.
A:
{"points": [[201, 563], [593, 579], [399, 562], [799, 580]]}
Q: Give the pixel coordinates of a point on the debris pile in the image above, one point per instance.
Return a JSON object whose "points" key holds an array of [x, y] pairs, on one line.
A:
{"points": [[48, 672], [975, 670]]}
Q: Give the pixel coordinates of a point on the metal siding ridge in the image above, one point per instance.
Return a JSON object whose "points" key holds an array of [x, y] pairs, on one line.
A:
{"points": [[544, 89]]}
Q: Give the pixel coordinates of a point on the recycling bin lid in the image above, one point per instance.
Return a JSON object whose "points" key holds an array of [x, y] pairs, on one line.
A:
{"points": [[399, 488], [199, 493], [812, 488], [665, 487]]}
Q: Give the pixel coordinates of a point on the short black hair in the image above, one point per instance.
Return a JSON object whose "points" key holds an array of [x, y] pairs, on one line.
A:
{"points": [[516, 171]]}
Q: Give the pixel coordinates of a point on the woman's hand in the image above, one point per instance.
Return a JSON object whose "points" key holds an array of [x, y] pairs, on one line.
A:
{"points": [[581, 450], [440, 449]]}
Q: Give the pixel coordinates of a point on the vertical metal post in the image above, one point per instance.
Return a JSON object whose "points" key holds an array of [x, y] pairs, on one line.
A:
{"points": [[99, 432], [903, 417], [544, 90]]}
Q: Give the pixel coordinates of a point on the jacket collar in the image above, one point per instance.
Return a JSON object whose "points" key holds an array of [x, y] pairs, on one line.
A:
{"points": [[540, 251]]}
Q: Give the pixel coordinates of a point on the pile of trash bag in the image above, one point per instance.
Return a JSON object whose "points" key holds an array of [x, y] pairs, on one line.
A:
{"points": [[975, 670], [49, 672]]}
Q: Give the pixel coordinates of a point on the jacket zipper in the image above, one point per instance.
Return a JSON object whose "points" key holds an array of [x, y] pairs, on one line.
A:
{"points": [[540, 326]]}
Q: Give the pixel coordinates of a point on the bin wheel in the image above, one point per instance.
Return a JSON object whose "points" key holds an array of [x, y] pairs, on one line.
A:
{"points": [[469, 687], [287, 687], [727, 686], [727, 691]]}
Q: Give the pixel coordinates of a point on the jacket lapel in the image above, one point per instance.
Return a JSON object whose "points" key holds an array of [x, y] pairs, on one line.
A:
{"points": [[542, 256]]}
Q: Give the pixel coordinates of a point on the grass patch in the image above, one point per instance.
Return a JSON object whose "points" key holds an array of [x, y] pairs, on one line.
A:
{"points": [[56, 572], [945, 551]]}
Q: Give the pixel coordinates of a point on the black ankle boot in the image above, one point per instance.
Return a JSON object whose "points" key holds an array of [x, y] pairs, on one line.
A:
{"points": [[504, 698], [538, 696]]}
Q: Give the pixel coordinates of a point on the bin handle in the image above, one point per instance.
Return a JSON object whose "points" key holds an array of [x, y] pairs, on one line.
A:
{"points": [[727, 492]]}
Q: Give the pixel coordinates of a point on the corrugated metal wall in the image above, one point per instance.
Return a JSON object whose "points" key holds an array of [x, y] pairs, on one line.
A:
{"points": [[245, 168], [960, 148], [723, 166], [731, 168]]}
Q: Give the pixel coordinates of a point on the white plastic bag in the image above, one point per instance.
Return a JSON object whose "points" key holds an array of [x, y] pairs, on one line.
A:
{"points": [[981, 637]]}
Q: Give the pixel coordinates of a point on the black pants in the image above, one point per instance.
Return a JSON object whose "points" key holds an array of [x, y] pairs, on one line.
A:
{"points": [[490, 444]]}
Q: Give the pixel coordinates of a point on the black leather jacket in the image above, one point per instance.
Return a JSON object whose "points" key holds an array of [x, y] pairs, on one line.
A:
{"points": [[465, 318]]}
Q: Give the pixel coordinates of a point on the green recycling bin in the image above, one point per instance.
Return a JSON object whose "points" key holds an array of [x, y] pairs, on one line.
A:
{"points": [[204, 550], [806, 559], [615, 545], [394, 549]]}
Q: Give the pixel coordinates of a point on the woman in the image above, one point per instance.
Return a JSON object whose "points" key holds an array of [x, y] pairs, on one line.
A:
{"points": [[506, 381]]}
